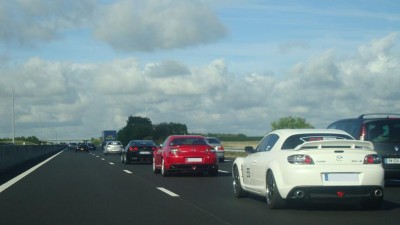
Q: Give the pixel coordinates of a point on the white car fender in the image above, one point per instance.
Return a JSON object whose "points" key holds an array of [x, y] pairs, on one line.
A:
{"points": [[276, 169], [238, 162]]}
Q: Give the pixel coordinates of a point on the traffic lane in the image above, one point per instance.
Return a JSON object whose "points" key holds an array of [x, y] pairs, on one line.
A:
{"points": [[214, 194], [79, 188]]}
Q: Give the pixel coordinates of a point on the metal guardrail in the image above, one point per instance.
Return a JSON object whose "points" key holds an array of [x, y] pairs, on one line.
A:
{"points": [[234, 150]]}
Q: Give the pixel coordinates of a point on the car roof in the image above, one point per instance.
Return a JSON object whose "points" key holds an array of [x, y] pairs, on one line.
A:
{"points": [[290, 132], [186, 136]]}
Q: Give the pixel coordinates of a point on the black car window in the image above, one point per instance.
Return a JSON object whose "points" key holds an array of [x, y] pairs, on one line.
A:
{"points": [[213, 141], [351, 126], [188, 141], [267, 143], [298, 139], [383, 131]]}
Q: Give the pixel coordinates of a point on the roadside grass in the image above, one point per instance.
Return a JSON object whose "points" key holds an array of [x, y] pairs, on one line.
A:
{"points": [[237, 145]]}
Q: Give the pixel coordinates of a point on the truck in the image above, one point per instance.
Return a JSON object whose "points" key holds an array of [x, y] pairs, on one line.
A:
{"points": [[108, 135]]}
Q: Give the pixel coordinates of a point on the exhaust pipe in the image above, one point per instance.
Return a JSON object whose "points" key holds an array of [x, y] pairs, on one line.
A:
{"points": [[378, 193], [299, 194]]}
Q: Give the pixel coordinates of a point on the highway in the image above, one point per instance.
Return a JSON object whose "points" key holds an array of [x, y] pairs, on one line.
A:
{"points": [[91, 188]]}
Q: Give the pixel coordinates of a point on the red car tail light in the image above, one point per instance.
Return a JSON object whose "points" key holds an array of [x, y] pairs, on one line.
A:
{"points": [[175, 151], [363, 132], [300, 159], [133, 148], [372, 159], [221, 148], [210, 149]]}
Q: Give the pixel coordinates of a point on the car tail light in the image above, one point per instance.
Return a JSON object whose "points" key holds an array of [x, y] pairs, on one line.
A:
{"points": [[372, 159], [133, 148], [363, 132], [221, 148], [175, 151], [210, 149], [300, 159]]}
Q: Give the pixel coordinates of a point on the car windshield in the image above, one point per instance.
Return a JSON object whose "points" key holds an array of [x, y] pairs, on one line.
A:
{"points": [[383, 131], [144, 143], [188, 141], [299, 139], [213, 141]]}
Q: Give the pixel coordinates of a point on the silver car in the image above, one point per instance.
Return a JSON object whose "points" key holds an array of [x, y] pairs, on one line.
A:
{"points": [[218, 147], [113, 147]]}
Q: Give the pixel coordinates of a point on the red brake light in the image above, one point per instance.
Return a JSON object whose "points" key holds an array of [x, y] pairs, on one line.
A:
{"points": [[300, 159], [372, 159], [133, 148], [363, 132], [175, 151]]}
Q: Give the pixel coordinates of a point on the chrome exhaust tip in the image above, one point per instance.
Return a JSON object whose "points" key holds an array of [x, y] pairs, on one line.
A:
{"points": [[378, 193], [299, 194]]}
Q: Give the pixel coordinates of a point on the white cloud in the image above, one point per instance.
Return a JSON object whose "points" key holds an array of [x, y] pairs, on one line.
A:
{"points": [[83, 99], [148, 25], [30, 22]]}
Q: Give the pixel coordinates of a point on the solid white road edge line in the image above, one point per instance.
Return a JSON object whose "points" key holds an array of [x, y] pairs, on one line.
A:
{"points": [[26, 173], [168, 192], [127, 171]]}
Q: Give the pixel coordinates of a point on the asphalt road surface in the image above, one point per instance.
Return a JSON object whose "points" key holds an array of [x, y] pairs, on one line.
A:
{"points": [[90, 188]]}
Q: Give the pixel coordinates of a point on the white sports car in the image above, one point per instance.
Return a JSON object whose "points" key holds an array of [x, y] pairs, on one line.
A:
{"points": [[310, 164]]}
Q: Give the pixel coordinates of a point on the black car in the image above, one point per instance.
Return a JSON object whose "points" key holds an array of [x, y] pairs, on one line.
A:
{"points": [[91, 146], [81, 147], [138, 150], [383, 130]]}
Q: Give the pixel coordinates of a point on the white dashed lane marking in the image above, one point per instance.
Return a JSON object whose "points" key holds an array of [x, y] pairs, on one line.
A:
{"points": [[127, 171], [168, 192]]}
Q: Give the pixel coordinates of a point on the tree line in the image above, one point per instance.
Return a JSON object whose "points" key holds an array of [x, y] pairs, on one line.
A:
{"points": [[139, 128]]}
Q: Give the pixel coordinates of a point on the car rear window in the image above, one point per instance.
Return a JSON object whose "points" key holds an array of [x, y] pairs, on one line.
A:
{"points": [[144, 143], [213, 141], [188, 141], [115, 143], [299, 139], [383, 130]]}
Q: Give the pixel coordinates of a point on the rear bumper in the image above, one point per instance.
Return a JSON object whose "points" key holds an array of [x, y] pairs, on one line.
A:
{"points": [[336, 192], [192, 167], [135, 156]]}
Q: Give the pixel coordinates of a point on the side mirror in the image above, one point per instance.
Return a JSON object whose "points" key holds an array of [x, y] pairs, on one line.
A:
{"points": [[249, 149]]}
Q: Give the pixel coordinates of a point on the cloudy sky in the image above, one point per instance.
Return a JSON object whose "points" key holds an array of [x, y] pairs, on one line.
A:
{"points": [[221, 66]]}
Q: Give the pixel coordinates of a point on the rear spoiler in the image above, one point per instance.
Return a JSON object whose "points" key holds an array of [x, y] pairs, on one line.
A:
{"points": [[329, 144]]}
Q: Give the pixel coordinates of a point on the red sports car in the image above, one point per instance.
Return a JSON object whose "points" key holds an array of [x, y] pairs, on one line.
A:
{"points": [[185, 153]]}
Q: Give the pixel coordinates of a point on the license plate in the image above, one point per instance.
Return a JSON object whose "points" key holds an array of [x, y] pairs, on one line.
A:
{"points": [[194, 159], [392, 160], [340, 176], [144, 153]]}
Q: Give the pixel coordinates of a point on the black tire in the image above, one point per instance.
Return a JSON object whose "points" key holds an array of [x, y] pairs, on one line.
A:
{"points": [[155, 170], [237, 186], [164, 172], [274, 199], [122, 159]]}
